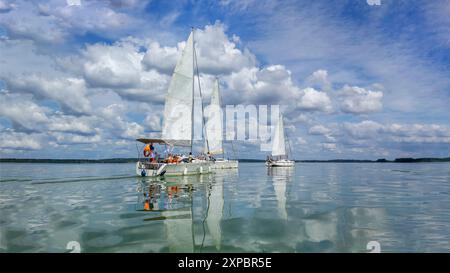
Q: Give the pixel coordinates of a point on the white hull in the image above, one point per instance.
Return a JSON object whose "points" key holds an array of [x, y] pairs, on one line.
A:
{"points": [[280, 163], [224, 164], [172, 169]]}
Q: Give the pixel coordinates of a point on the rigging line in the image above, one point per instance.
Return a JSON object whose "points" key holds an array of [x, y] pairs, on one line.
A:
{"points": [[288, 142], [201, 101], [138, 153]]}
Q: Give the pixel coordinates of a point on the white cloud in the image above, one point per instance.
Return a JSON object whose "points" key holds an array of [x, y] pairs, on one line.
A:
{"points": [[19, 141], [216, 53], [394, 132], [300, 141], [320, 78], [163, 58], [319, 130], [55, 20], [329, 146], [116, 66], [68, 138], [21, 111], [29, 116], [357, 100], [70, 93], [269, 85], [313, 100], [153, 122], [363, 130], [6, 6]]}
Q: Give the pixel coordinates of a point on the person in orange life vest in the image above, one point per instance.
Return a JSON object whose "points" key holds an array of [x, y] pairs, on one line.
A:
{"points": [[147, 150]]}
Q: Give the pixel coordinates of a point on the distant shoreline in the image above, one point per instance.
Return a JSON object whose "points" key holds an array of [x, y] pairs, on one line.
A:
{"points": [[132, 160]]}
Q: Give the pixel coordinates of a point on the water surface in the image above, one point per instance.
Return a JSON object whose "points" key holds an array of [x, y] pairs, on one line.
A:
{"points": [[315, 207]]}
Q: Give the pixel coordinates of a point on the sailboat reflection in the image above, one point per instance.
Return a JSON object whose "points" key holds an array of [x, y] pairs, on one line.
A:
{"points": [[173, 199], [281, 176], [215, 205]]}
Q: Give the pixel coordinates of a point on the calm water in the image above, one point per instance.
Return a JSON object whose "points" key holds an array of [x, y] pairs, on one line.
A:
{"points": [[316, 207]]}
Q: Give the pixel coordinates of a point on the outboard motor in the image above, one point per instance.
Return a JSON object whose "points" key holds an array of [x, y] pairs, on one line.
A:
{"points": [[143, 173]]}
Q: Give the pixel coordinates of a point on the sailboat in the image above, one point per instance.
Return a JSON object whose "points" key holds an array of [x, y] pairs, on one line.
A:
{"points": [[214, 133], [279, 156], [178, 123]]}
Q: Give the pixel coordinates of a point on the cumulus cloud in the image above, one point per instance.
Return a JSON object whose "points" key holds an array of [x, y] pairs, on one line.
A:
{"points": [[319, 78], [10, 140], [162, 58], [54, 21], [329, 146], [363, 130], [269, 85], [112, 66], [394, 132], [319, 130], [119, 68], [23, 112], [357, 100], [6, 6], [216, 53], [313, 100], [29, 116], [70, 93]]}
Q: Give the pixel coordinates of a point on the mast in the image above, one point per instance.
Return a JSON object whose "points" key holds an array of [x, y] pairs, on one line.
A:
{"points": [[193, 94]]}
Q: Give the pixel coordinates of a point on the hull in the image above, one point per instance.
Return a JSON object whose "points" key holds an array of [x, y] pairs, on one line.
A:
{"points": [[172, 169], [280, 163], [224, 164]]}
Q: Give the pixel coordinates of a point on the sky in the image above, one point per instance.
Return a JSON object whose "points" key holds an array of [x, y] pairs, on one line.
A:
{"points": [[361, 79]]}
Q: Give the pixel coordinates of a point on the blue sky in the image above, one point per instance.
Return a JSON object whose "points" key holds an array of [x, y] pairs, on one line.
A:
{"points": [[83, 80]]}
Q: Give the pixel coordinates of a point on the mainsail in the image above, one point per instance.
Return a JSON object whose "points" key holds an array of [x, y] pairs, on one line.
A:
{"points": [[214, 130], [278, 142], [177, 120]]}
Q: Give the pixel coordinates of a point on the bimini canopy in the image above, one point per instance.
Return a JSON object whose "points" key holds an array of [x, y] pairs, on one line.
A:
{"points": [[170, 142]]}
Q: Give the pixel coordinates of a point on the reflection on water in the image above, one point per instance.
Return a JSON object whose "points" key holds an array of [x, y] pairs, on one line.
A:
{"points": [[309, 208]]}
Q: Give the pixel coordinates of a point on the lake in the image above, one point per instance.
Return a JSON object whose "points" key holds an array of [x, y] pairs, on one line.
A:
{"points": [[314, 207]]}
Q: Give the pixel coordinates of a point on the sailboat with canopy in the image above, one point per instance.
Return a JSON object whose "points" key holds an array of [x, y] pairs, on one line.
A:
{"points": [[178, 122], [279, 157]]}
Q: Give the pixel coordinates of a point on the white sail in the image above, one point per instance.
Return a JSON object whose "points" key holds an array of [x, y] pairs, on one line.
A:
{"points": [[278, 142], [214, 125], [215, 213], [177, 120]]}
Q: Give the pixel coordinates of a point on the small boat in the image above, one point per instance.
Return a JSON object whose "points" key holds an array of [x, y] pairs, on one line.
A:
{"points": [[214, 133], [178, 123], [279, 156]]}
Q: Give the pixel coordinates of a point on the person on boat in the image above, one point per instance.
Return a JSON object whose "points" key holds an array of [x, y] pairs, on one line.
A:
{"points": [[190, 157], [147, 150], [152, 156], [211, 157]]}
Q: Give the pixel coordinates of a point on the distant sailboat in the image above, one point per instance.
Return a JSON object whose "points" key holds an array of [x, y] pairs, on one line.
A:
{"points": [[178, 121], [279, 156], [214, 132]]}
